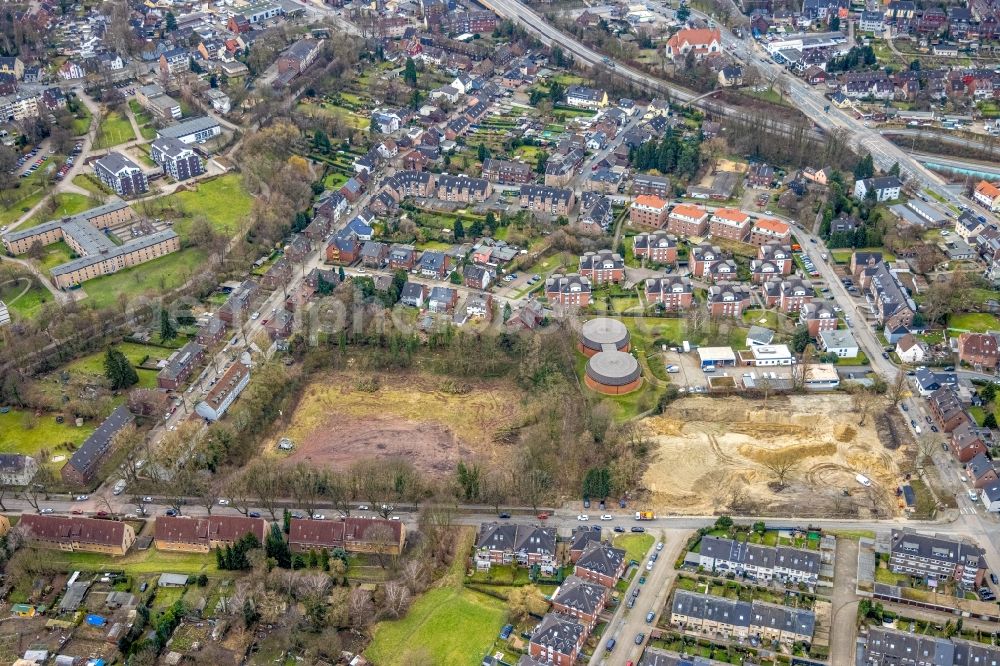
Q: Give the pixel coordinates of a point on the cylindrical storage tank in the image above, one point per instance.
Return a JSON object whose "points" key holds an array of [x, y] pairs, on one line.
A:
{"points": [[613, 372], [597, 333]]}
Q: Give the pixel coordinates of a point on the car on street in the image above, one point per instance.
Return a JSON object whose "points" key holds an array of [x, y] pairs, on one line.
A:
{"points": [[619, 529], [254, 514], [944, 447], [638, 529], [77, 512], [363, 507], [649, 616], [649, 565], [583, 517], [542, 516], [170, 512], [147, 500], [223, 501], [298, 516], [659, 546], [318, 516], [885, 354], [102, 514], [607, 516], [504, 515], [610, 645], [642, 580], [81, 498], [904, 407], [47, 511], [934, 428], [993, 578], [639, 638], [631, 602]]}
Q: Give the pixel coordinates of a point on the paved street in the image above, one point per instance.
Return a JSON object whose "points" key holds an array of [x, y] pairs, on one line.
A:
{"points": [[844, 606]]}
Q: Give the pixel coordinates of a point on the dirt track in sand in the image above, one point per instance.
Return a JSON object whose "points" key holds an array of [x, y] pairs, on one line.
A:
{"points": [[711, 455]]}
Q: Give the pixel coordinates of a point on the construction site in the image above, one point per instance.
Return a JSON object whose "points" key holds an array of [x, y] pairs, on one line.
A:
{"points": [[798, 455]]}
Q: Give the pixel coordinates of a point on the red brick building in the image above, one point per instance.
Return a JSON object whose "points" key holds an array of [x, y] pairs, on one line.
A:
{"points": [[648, 210], [673, 292], [572, 289], [602, 266], [728, 300], [766, 230], [980, 350], [687, 220], [730, 223], [601, 564], [658, 247], [818, 316]]}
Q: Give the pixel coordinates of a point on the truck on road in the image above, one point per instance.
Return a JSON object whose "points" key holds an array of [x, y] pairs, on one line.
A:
{"points": [[644, 515]]}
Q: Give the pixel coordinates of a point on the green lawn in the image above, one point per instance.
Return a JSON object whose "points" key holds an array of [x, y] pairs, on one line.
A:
{"points": [[115, 129], [23, 432], [137, 562], [81, 124], [93, 364], [222, 201], [979, 322], [451, 624], [154, 277], [55, 254], [28, 304], [843, 256], [636, 545], [66, 204], [25, 196], [88, 182], [143, 119]]}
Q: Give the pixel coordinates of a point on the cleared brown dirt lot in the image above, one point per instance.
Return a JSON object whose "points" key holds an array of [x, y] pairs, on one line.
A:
{"points": [[712, 455], [431, 422]]}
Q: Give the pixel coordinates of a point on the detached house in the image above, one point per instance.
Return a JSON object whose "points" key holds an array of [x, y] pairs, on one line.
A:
{"points": [[701, 41], [883, 189], [524, 545], [988, 195], [586, 98]]}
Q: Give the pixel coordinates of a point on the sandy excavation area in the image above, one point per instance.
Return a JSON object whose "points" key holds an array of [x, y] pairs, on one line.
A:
{"points": [[712, 456], [413, 416]]}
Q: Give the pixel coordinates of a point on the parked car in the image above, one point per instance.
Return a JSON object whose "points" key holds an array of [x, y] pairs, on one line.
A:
{"points": [[254, 514], [170, 512], [638, 529], [81, 498], [505, 515], [47, 511], [607, 516], [619, 529], [583, 517], [649, 616], [639, 638], [659, 546]]}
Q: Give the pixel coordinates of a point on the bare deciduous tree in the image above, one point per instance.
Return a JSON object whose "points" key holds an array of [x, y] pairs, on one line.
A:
{"points": [[781, 465], [397, 599]]}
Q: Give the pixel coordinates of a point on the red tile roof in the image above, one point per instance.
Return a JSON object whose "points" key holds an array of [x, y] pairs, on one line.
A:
{"points": [[226, 529], [69, 530]]}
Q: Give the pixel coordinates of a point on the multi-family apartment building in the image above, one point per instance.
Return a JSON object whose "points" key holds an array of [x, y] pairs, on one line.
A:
{"points": [[557, 640], [200, 535], [980, 350], [507, 172], [179, 366], [766, 230], [702, 257], [711, 616], [580, 599], [938, 557], [673, 292], [688, 220], [179, 161], [85, 462], [657, 186], [885, 646], [76, 533], [121, 174], [602, 266], [657, 247], [463, 189], [729, 223], [818, 316], [411, 184], [601, 563], [547, 200], [893, 306], [219, 399], [524, 545], [946, 409], [355, 534], [788, 294], [649, 210], [728, 299], [571, 289], [761, 563]]}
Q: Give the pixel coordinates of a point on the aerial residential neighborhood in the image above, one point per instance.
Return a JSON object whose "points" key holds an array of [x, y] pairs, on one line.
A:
{"points": [[525, 332]]}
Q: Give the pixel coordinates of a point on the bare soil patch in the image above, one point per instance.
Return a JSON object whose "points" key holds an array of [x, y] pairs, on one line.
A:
{"points": [[428, 420], [712, 455]]}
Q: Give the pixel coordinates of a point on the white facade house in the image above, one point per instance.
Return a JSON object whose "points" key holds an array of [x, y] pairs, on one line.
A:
{"points": [[885, 189], [840, 342], [910, 349]]}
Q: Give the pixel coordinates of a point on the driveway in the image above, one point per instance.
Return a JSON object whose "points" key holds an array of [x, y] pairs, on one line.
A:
{"points": [[845, 601], [627, 622]]}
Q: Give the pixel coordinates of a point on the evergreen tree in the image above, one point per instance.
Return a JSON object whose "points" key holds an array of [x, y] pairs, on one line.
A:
{"points": [[556, 92], [118, 370], [865, 168], [220, 562], [341, 274], [482, 153], [458, 229], [276, 548], [167, 329], [171, 22], [410, 73], [286, 519]]}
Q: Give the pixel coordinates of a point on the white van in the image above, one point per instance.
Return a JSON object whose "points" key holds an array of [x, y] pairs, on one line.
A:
{"points": [[973, 495], [863, 480], [119, 487], [708, 368]]}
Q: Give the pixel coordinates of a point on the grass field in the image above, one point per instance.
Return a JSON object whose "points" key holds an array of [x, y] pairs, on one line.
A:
{"points": [[55, 254], [22, 432], [115, 129], [143, 119], [152, 278], [28, 193], [222, 201], [978, 322], [449, 624], [137, 562], [66, 204], [24, 303], [92, 365], [843, 255], [87, 182], [636, 545], [81, 125]]}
